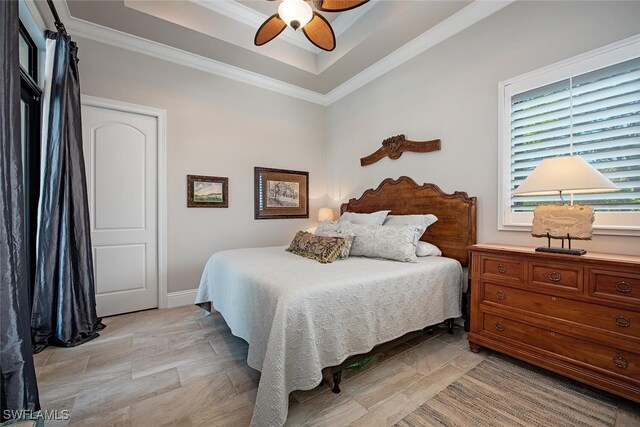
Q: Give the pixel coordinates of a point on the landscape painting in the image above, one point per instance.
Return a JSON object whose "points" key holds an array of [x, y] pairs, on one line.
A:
{"points": [[281, 193], [207, 191]]}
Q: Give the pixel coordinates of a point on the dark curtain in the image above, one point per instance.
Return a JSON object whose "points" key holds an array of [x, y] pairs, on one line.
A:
{"points": [[19, 390], [64, 305]]}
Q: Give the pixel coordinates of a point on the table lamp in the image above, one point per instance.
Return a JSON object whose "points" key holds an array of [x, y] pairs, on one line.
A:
{"points": [[325, 214], [563, 175]]}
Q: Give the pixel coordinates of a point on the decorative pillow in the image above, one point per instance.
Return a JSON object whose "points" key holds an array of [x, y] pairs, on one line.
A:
{"points": [[344, 254], [320, 248], [427, 249], [422, 221], [326, 227], [360, 218], [396, 243]]}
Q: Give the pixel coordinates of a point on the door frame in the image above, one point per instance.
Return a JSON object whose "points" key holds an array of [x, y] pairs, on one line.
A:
{"points": [[161, 117]]}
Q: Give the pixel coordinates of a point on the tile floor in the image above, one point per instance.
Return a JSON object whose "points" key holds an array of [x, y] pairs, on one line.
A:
{"points": [[180, 367]]}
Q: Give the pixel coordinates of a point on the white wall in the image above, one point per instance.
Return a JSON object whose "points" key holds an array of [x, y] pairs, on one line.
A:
{"points": [[215, 127], [450, 92], [221, 127]]}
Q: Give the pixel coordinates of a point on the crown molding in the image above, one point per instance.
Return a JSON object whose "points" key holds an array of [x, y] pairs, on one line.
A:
{"points": [[344, 21], [251, 17], [456, 23], [461, 20], [89, 30]]}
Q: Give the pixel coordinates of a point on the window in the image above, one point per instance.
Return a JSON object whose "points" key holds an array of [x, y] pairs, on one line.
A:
{"points": [[28, 54], [590, 106], [30, 113]]}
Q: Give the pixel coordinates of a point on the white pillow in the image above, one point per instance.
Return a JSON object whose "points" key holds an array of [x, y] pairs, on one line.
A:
{"points": [[422, 221], [360, 218], [326, 227], [427, 249], [377, 241]]}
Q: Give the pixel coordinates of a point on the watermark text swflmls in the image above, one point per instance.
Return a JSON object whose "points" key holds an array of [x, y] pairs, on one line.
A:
{"points": [[45, 414]]}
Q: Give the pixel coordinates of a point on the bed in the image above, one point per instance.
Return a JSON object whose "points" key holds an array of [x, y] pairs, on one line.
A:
{"points": [[304, 320]]}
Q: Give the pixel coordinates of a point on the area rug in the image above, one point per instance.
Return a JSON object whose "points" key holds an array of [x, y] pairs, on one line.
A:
{"points": [[501, 391]]}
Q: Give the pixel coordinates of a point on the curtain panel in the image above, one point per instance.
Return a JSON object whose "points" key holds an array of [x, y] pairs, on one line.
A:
{"points": [[18, 381], [64, 307]]}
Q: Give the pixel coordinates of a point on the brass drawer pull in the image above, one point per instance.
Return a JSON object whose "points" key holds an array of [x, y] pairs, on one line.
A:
{"points": [[623, 321], [502, 268], [623, 287], [620, 362], [501, 295], [499, 327], [554, 276]]}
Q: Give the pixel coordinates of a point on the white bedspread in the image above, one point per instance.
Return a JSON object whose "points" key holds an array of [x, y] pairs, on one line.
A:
{"points": [[300, 316]]}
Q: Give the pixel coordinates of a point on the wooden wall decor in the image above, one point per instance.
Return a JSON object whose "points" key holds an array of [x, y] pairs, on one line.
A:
{"points": [[396, 145]]}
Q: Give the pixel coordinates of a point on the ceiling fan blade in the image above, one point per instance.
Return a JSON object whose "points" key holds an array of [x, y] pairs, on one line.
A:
{"points": [[337, 5], [269, 30], [320, 33]]}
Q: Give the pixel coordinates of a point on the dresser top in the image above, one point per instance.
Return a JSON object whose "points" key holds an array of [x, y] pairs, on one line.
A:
{"points": [[531, 251]]}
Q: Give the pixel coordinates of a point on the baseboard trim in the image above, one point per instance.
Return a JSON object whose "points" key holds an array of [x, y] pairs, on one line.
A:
{"points": [[180, 298]]}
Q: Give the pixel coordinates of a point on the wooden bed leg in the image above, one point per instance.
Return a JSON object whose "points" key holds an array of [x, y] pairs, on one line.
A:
{"points": [[450, 323], [336, 382]]}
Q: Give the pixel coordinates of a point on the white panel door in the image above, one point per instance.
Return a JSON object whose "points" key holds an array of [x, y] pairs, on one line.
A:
{"points": [[121, 150]]}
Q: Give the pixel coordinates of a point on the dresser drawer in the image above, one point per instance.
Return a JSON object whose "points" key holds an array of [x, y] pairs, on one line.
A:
{"points": [[561, 277], [596, 355], [611, 285], [504, 269], [608, 319]]}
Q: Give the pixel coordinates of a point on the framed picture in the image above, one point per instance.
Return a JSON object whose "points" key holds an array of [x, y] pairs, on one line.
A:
{"points": [[281, 194], [207, 191]]}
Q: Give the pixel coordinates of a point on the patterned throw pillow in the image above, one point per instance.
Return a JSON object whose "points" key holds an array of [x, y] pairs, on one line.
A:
{"points": [[320, 248], [396, 243], [344, 254]]}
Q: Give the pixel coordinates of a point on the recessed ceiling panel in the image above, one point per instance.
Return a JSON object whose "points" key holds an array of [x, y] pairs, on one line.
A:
{"points": [[223, 30]]}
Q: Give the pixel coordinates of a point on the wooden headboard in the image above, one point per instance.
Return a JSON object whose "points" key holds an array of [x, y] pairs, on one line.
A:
{"points": [[456, 225]]}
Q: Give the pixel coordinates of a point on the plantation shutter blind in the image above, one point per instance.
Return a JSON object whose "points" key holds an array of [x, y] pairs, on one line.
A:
{"points": [[595, 115]]}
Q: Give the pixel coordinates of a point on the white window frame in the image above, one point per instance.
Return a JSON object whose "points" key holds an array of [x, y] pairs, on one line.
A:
{"points": [[618, 223], [32, 21]]}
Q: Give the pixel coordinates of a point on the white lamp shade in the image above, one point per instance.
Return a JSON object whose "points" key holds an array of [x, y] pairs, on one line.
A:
{"points": [[325, 214], [568, 174], [295, 13]]}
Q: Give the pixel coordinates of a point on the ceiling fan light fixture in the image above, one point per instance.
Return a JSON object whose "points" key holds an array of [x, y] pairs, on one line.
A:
{"points": [[295, 13]]}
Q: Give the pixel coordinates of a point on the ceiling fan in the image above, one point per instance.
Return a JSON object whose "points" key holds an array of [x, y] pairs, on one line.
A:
{"points": [[300, 14]]}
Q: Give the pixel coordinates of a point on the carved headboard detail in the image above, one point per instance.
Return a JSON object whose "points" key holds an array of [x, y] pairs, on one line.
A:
{"points": [[456, 225]]}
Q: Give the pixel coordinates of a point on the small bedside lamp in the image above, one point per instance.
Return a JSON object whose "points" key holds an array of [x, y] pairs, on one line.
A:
{"points": [[562, 175], [325, 214]]}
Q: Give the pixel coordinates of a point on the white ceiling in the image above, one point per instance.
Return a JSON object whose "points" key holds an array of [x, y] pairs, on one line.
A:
{"points": [[217, 35]]}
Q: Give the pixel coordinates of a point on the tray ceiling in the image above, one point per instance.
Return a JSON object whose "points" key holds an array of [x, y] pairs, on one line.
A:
{"points": [[222, 31]]}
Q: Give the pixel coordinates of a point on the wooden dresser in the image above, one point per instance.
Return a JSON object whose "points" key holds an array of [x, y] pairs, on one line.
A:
{"points": [[578, 316]]}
